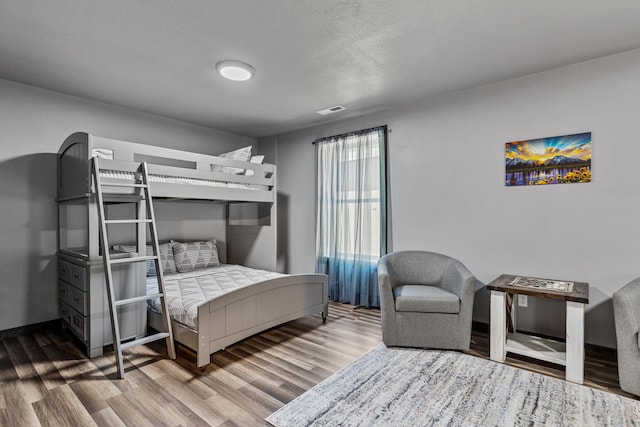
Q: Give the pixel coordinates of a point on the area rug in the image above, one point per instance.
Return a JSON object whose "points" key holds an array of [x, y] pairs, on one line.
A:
{"points": [[406, 387]]}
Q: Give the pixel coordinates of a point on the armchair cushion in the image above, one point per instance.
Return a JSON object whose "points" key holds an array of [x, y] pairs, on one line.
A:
{"points": [[425, 299]]}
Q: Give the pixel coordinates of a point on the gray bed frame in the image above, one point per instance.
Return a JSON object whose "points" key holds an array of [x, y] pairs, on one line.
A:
{"points": [[233, 316]]}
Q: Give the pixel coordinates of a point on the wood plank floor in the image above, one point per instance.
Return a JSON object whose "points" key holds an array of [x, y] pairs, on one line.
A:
{"points": [[46, 380]]}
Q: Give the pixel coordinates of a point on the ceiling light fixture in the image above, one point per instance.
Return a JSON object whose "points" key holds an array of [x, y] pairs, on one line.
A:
{"points": [[235, 70]]}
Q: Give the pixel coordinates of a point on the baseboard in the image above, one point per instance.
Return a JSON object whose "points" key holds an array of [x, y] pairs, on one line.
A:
{"points": [[29, 329], [480, 327]]}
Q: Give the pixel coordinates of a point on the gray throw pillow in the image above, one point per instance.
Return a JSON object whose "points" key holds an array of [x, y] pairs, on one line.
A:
{"points": [[194, 255], [166, 257]]}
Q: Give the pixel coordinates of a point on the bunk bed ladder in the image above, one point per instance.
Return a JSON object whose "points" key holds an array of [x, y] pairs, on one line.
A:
{"points": [[142, 184]]}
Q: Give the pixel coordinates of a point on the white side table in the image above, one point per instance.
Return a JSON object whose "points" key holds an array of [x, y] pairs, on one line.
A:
{"points": [[569, 354]]}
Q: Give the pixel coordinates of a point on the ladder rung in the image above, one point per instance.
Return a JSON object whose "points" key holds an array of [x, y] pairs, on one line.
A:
{"points": [[132, 259], [122, 184], [144, 340], [137, 299], [126, 221]]}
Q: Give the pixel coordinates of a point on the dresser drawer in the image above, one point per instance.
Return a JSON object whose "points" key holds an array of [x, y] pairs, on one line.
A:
{"points": [[78, 277], [78, 300], [79, 325], [64, 270], [65, 312], [64, 292]]}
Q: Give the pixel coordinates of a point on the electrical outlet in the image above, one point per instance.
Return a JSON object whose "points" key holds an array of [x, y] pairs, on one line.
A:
{"points": [[523, 301]]}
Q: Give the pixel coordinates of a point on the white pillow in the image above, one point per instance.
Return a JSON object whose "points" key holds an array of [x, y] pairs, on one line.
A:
{"points": [[242, 154], [254, 159]]}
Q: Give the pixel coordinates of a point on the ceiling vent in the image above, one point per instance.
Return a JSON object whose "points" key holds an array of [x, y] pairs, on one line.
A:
{"points": [[331, 110]]}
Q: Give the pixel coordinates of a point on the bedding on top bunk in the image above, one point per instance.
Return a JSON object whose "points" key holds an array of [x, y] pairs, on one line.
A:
{"points": [[113, 174], [186, 291]]}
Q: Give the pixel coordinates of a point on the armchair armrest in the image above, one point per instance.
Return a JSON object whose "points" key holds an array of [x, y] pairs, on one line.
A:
{"points": [[385, 285], [458, 280], [626, 302]]}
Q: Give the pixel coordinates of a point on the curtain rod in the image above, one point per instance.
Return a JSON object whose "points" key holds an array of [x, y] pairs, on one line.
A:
{"points": [[344, 135]]}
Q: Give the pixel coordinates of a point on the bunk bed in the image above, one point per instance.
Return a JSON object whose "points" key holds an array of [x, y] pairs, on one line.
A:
{"points": [[247, 190]]}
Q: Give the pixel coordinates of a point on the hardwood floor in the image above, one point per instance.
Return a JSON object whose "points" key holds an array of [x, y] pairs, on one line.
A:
{"points": [[46, 380]]}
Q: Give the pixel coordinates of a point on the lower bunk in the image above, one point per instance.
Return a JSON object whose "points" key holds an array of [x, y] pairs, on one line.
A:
{"points": [[219, 306]]}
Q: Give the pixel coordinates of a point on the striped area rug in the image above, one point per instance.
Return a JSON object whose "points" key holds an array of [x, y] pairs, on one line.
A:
{"points": [[407, 387]]}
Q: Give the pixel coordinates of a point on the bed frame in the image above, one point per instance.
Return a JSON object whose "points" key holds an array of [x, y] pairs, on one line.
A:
{"points": [[248, 311], [231, 317]]}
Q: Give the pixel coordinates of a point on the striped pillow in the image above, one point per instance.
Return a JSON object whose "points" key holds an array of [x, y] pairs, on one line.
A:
{"points": [[193, 255], [166, 257]]}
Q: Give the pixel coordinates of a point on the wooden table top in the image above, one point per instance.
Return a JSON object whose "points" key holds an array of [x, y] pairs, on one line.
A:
{"points": [[580, 291]]}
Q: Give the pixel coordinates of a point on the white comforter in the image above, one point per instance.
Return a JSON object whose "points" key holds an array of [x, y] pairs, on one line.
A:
{"points": [[186, 291]]}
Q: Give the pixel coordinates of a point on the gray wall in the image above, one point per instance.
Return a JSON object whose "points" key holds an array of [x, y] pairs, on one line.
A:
{"points": [[448, 195], [33, 124]]}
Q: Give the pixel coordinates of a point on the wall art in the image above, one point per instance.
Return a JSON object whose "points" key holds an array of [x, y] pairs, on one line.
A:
{"points": [[562, 159]]}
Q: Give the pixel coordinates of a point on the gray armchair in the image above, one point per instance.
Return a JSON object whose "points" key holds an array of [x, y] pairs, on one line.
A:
{"points": [[426, 300], [626, 312]]}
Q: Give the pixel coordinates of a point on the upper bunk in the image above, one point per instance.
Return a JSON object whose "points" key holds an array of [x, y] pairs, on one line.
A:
{"points": [[173, 174]]}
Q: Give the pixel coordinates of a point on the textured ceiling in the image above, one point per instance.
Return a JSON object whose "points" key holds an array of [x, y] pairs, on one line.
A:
{"points": [[159, 55]]}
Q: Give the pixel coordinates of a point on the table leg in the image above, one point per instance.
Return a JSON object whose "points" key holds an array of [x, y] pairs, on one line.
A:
{"points": [[575, 342], [498, 332], [511, 312]]}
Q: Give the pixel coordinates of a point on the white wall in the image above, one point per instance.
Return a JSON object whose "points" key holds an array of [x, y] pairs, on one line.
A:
{"points": [[33, 124], [448, 195]]}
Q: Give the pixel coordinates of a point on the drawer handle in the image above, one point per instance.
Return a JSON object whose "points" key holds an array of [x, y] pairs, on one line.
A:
{"points": [[63, 270], [76, 276], [65, 312], [76, 322], [64, 292], [76, 299]]}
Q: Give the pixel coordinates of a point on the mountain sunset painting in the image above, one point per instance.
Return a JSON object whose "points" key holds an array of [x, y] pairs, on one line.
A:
{"points": [[556, 160]]}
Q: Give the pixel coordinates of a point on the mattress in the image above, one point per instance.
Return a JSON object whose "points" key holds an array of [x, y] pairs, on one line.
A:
{"points": [[114, 174], [186, 291]]}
